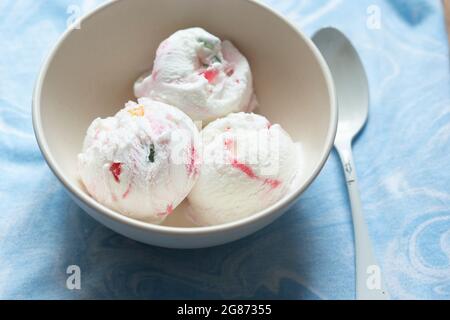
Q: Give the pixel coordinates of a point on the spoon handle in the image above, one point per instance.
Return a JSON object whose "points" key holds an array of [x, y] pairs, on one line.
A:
{"points": [[369, 282]]}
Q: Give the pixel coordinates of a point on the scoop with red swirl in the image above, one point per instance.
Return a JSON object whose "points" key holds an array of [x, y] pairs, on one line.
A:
{"points": [[198, 73], [143, 161], [248, 165]]}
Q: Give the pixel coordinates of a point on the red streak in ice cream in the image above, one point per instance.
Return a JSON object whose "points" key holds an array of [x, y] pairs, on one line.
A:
{"points": [[116, 170], [273, 183], [191, 166], [210, 75], [127, 192], [247, 170], [244, 168], [169, 210]]}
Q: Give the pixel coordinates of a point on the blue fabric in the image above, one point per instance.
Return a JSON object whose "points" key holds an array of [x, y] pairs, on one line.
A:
{"points": [[402, 160]]}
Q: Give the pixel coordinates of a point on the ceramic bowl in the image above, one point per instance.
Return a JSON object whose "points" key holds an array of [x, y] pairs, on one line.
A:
{"points": [[91, 71]]}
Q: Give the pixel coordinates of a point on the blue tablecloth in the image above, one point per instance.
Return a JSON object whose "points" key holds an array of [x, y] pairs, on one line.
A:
{"points": [[403, 160]]}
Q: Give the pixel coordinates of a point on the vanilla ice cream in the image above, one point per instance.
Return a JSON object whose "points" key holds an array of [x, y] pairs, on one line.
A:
{"points": [[143, 161], [201, 75], [248, 165]]}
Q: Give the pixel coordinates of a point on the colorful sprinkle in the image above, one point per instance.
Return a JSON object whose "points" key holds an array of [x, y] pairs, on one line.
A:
{"points": [[151, 156], [206, 44], [210, 75], [116, 170], [137, 112]]}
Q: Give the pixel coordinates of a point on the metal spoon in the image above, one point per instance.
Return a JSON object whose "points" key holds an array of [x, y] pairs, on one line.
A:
{"points": [[353, 100]]}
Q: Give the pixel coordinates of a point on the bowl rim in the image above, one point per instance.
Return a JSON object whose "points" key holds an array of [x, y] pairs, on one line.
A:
{"points": [[168, 230]]}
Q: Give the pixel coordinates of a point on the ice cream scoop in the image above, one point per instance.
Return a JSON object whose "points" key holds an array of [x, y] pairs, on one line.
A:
{"points": [[198, 73], [143, 161], [248, 164]]}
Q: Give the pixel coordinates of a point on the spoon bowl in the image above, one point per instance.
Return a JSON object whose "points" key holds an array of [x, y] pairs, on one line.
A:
{"points": [[352, 89]]}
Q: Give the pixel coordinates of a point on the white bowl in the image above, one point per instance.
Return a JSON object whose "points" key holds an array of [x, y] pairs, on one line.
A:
{"points": [[91, 71]]}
